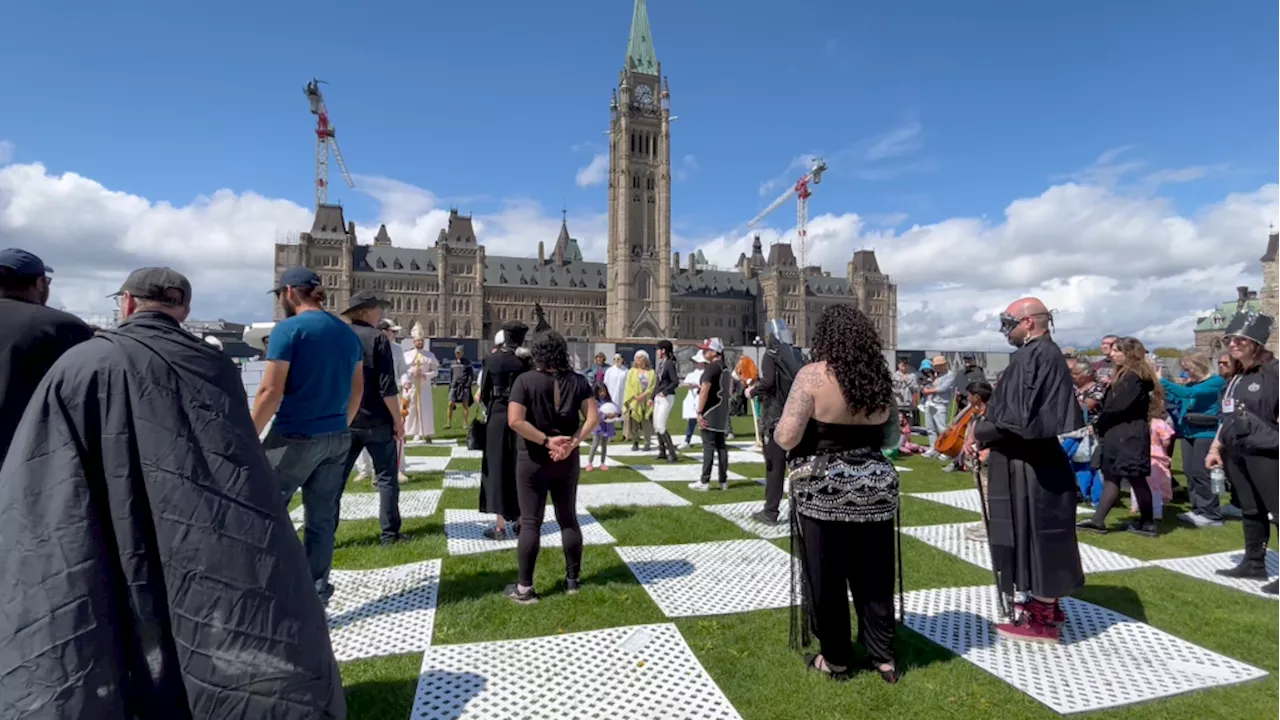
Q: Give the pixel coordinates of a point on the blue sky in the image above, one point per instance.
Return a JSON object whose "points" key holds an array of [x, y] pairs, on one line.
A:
{"points": [[483, 101]]}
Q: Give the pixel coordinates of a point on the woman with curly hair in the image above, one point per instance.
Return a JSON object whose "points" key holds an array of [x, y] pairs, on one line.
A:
{"points": [[844, 493], [1123, 426], [553, 410]]}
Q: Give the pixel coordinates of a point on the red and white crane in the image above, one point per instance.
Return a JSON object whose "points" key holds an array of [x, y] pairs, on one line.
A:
{"points": [[802, 191], [325, 139]]}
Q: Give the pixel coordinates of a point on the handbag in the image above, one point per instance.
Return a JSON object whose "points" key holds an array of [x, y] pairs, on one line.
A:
{"points": [[1200, 421], [1084, 450], [476, 435]]}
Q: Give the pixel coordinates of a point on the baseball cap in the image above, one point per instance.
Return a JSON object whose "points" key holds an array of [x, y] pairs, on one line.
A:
{"points": [[364, 299], [154, 283], [386, 324], [712, 344], [21, 263], [297, 277], [699, 358]]}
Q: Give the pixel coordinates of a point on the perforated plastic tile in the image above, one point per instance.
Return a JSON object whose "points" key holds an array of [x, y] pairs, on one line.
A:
{"points": [[584, 454], [461, 451], [363, 506], [745, 456], [740, 514], [425, 463], [950, 539], [714, 578], [1105, 659], [628, 493], [462, 478], [687, 472], [1204, 567], [967, 500], [383, 612], [629, 673], [464, 530]]}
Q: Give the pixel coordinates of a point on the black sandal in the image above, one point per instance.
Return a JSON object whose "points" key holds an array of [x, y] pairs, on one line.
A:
{"points": [[810, 663]]}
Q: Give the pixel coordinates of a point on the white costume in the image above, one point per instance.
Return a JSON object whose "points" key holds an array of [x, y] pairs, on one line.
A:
{"points": [[421, 370]]}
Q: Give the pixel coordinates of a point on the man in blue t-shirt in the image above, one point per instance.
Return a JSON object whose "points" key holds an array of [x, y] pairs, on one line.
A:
{"points": [[312, 387]]}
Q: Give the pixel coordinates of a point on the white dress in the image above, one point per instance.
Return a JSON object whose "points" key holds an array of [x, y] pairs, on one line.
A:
{"points": [[421, 370], [692, 381]]}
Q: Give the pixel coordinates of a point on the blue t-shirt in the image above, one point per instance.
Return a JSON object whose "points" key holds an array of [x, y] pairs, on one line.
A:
{"points": [[322, 352]]}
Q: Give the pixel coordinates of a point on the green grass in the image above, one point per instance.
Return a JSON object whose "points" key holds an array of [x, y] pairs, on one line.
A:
{"points": [[747, 654]]}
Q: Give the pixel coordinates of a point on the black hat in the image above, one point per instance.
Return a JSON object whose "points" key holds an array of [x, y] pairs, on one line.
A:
{"points": [[513, 333], [297, 277], [1251, 325], [365, 299], [155, 283], [20, 263]]}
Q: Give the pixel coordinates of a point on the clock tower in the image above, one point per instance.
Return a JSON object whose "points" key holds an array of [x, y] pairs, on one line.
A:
{"points": [[639, 287]]}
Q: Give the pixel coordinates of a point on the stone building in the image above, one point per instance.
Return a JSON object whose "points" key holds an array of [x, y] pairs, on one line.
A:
{"points": [[643, 290], [1208, 331]]}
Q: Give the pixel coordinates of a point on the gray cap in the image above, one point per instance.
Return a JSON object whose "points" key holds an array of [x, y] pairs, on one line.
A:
{"points": [[154, 283]]}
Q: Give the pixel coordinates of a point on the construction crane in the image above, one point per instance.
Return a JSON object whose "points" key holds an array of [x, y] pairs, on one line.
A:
{"points": [[325, 139], [802, 191]]}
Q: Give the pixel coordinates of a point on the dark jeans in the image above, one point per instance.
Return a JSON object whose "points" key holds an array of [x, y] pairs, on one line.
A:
{"points": [[1204, 501], [533, 483], [840, 557], [385, 454], [313, 463], [713, 448], [690, 426], [775, 475]]}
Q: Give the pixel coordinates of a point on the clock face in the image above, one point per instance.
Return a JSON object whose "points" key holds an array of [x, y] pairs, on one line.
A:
{"points": [[644, 95]]}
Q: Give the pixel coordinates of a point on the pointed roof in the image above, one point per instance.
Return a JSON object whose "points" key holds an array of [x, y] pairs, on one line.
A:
{"points": [[641, 57], [382, 238], [1273, 240]]}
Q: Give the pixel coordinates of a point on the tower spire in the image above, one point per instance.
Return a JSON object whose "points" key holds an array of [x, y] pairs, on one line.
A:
{"points": [[641, 57]]}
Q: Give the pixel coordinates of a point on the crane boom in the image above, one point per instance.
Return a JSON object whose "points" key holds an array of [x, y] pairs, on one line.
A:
{"points": [[326, 138], [801, 190]]}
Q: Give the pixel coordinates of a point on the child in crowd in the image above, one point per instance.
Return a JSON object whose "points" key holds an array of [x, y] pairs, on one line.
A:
{"points": [[604, 432], [905, 446], [1161, 478], [979, 393]]}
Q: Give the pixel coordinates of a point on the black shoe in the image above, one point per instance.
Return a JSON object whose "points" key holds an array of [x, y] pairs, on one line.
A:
{"points": [[571, 586], [1246, 570], [1150, 529], [393, 538], [661, 456], [1091, 526], [1270, 588], [635, 447], [520, 598], [764, 517]]}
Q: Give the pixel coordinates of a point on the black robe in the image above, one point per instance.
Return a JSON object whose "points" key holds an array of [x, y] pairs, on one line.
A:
{"points": [[150, 568], [498, 464], [1031, 488]]}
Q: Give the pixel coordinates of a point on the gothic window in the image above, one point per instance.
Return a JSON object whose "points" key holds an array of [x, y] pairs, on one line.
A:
{"points": [[467, 329], [633, 142], [431, 328], [453, 329], [1217, 320]]}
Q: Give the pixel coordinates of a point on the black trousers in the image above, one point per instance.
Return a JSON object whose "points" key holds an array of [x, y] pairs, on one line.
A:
{"points": [[534, 482], [775, 475], [840, 557], [1255, 480], [1204, 501], [713, 449]]}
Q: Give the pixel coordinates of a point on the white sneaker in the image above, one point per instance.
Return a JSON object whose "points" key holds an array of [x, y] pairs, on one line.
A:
{"points": [[1198, 520], [724, 486], [699, 486]]}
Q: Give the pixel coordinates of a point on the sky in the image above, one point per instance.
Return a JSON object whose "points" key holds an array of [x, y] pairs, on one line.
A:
{"points": [[1120, 160]]}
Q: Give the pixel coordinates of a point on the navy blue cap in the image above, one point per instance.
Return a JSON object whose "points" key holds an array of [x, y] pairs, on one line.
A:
{"points": [[297, 277], [20, 263]]}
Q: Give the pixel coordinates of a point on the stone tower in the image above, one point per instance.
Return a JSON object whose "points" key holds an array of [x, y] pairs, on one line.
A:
{"points": [[639, 288], [1268, 295]]}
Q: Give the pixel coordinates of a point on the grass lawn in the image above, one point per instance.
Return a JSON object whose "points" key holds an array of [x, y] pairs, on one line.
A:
{"points": [[747, 654]]}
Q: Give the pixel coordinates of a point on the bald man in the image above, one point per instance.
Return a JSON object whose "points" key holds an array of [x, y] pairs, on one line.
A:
{"points": [[1031, 488]]}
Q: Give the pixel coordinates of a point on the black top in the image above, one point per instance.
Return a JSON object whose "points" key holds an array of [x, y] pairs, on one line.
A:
{"points": [[1249, 410], [1123, 427], [32, 337], [461, 375], [778, 370], [380, 380], [535, 390], [668, 377], [501, 369], [716, 409]]}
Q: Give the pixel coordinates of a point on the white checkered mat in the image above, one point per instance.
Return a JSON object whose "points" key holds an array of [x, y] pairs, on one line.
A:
{"points": [[950, 539], [461, 452], [713, 578], [425, 463], [1204, 567], [464, 530], [364, 505], [462, 478], [383, 612], [745, 456], [682, 472], [740, 514], [1105, 660], [584, 455], [967, 500], [628, 493], [627, 673]]}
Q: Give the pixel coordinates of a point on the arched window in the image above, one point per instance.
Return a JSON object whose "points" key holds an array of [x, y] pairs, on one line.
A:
{"points": [[644, 285], [453, 329], [467, 329], [431, 328]]}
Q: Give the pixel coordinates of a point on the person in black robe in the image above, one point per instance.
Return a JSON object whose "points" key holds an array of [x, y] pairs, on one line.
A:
{"points": [[150, 569], [498, 464], [1031, 488]]}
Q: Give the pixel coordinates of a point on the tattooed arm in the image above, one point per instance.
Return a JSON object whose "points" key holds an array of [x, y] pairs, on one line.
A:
{"points": [[799, 408]]}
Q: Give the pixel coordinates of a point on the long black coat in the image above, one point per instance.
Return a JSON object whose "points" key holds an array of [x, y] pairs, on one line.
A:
{"points": [[498, 464], [150, 570], [1124, 429]]}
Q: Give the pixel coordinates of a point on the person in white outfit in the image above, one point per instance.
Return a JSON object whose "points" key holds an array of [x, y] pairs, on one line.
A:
{"points": [[417, 382], [615, 378], [689, 411], [936, 401]]}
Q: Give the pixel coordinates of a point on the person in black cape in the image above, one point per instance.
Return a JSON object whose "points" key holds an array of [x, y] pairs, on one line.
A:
{"points": [[1031, 488], [498, 466], [151, 571], [778, 368]]}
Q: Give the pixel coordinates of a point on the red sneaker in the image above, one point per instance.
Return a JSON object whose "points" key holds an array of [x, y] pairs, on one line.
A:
{"points": [[1059, 616], [1051, 614], [1033, 624]]}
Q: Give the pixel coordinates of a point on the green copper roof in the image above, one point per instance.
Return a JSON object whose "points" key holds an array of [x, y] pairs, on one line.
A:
{"points": [[640, 55], [1223, 314]]}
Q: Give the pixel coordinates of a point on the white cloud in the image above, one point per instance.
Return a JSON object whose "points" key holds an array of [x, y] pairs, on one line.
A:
{"points": [[595, 171], [1106, 261], [6, 151], [902, 140], [798, 166], [685, 169]]}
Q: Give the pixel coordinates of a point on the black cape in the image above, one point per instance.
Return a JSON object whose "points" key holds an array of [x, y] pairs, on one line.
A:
{"points": [[150, 569], [498, 464], [1031, 488]]}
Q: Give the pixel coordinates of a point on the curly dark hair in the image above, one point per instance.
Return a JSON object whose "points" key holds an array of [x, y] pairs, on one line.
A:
{"points": [[850, 345], [551, 353]]}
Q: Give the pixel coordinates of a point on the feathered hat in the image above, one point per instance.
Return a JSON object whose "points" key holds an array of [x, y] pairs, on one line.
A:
{"points": [[416, 332]]}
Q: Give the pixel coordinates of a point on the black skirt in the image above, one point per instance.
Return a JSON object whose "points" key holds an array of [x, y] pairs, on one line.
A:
{"points": [[498, 466]]}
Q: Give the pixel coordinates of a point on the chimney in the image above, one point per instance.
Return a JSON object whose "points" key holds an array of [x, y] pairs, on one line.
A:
{"points": [[541, 259], [693, 262], [675, 262]]}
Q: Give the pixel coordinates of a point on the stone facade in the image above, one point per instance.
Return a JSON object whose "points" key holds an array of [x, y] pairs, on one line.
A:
{"points": [[643, 290], [1208, 331]]}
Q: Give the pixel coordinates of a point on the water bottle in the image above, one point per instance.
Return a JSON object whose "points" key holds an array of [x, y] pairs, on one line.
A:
{"points": [[1217, 480]]}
